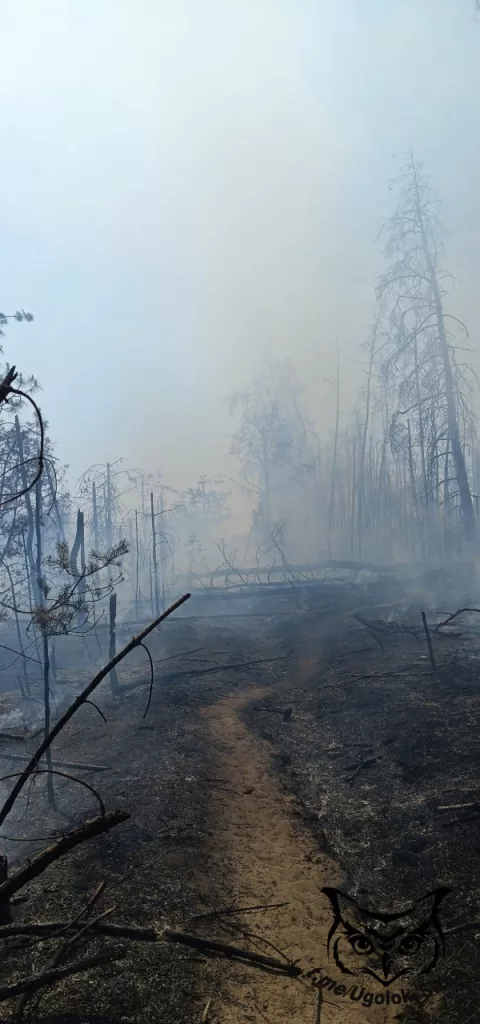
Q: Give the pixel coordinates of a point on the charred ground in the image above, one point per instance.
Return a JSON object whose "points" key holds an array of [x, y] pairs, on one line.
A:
{"points": [[225, 789]]}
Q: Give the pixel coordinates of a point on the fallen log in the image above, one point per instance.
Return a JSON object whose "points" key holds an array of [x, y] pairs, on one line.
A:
{"points": [[74, 765]]}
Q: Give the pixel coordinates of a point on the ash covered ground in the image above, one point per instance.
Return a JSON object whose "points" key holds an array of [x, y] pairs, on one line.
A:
{"points": [[373, 743]]}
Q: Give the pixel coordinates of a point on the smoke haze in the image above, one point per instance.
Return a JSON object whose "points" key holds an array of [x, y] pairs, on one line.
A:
{"points": [[189, 187]]}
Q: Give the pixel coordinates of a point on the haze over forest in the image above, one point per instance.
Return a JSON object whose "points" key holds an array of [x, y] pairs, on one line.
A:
{"points": [[192, 188], [239, 498]]}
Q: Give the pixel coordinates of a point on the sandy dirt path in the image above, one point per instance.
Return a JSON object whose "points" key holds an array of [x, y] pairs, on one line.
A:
{"points": [[265, 854]]}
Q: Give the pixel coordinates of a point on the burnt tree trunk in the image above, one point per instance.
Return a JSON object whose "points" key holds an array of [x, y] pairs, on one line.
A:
{"points": [[112, 650]]}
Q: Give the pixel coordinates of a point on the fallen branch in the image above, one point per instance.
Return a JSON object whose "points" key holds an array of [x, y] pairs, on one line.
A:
{"points": [[267, 963], [50, 929], [277, 569], [195, 673], [60, 956], [74, 765], [368, 626], [69, 942], [38, 981], [257, 940], [35, 867], [86, 910], [136, 641], [454, 615]]}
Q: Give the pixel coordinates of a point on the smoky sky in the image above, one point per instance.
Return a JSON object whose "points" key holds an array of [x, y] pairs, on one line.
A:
{"points": [[189, 187]]}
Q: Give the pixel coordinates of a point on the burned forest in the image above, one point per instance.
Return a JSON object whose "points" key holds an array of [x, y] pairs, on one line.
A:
{"points": [[220, 747], [239, 513]]}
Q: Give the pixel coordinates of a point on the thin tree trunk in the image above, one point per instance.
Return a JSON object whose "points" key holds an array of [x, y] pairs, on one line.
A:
{"points": [[30, 517], [152, 603], [109, 509], [413, 489], [112, 650], [333, 484], [446, 503], [353, 504], [95, 518], [30, 590], [162, 560], [267, 512], [363, 449], [58, 514], [421, 428], [18, 629], [45, 651], [137, 588], [78, 547], [154, 557]]}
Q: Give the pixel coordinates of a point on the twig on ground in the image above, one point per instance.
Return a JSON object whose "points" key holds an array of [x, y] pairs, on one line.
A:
{"points": [[206, 1012], [60, 956], [266, 963], [92, 900], [57, 962], [51, 977], [257, 940], [356, 769], [459, 807], [238, 910], [470, 926]]}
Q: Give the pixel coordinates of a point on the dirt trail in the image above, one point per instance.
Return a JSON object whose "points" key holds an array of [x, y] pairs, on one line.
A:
{"points": [[265, 854]]}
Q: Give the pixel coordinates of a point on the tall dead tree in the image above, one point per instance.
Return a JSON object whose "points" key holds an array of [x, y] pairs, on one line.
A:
{"points": [[333, 482], [154, 556], [262, 443], [418, 351], [41, 590]]}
